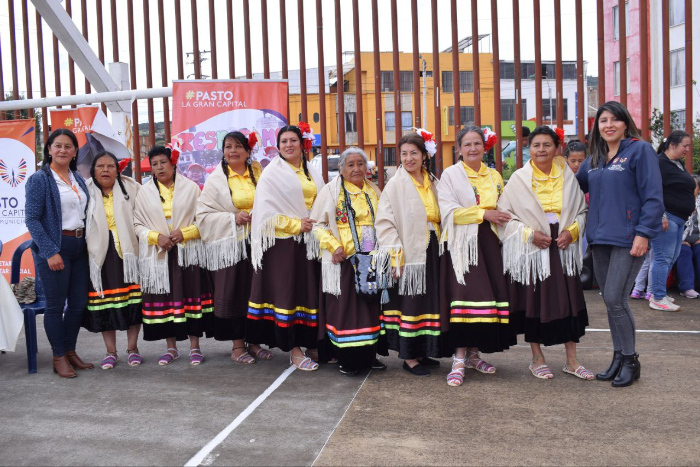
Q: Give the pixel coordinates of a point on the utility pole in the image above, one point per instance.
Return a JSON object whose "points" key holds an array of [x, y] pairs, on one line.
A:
{"points": [[202, 59]]}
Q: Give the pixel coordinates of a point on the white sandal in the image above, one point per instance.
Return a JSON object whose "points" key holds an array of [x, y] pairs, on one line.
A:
{"points": [[456, 376]]}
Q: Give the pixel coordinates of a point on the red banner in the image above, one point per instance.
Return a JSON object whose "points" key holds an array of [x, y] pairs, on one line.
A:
{"points": [[204, 111], [17, 163]]}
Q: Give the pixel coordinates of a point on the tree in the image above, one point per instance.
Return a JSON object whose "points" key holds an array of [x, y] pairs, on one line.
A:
{"points": [[24, 115], [656, 127]]}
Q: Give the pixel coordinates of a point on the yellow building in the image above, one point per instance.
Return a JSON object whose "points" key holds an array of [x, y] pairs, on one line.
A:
{"points": [[409, 117]]}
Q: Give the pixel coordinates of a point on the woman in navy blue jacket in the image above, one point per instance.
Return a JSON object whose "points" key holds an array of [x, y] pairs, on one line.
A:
{"points": [[57, 199], [626, 206]]}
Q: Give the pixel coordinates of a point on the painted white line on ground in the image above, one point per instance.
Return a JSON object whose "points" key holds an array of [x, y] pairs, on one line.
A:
{"points": [[218, 439], [341, 418], [649, 331]]}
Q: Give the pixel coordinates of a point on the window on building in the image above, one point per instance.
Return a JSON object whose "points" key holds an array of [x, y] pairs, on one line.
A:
{"points": [[616, 21], [677, 58], [466, 116], [390, 121], [390, 157], [616, 77], [350, 122], [466, 81], [546, 112], [316, 117], [387, 78], [507, 70], [677, 12], [508, 109], [405, 81], [678, 119]]}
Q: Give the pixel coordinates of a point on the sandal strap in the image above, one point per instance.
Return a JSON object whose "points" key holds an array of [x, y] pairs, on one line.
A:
{"points": [[541, 370], [306, 363]]}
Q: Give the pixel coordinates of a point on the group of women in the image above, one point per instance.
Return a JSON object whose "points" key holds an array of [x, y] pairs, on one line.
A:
{"points": [[456, 266]]}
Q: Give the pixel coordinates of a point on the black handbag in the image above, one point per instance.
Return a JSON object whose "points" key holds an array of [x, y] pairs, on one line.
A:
{"points": [[362, 261]]}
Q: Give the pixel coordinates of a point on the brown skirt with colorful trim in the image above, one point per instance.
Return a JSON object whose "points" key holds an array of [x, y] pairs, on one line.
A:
{"points": [[479, 312], [284, 297], [416, 326], [552, 311], [231, 294], [186, 311], [120, 307], [352, 323]]}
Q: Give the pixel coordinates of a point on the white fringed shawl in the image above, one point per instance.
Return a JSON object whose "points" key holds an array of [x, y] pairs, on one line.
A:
{"points": [[278, 194], [402, 225], [153, 260], [324, 214], [454, 192], [224, 241], [97, 231], [525, 262]]}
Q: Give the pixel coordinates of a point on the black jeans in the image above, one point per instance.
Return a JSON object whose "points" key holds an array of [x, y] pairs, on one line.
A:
{"points": [[62, 321], [615, 270]]}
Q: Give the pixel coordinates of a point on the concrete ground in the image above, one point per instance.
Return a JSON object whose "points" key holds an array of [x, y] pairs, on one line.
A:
{"points": [[153, 415]]}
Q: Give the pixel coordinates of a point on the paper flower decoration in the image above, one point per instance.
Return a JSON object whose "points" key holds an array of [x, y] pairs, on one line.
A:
{"points": [[123, 164], [307, 136], [490, 139], [429, 140], [174, 151]]}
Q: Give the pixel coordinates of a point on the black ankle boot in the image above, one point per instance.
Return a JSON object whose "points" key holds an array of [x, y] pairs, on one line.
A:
{"points": [[613, 369], [629, 372]]}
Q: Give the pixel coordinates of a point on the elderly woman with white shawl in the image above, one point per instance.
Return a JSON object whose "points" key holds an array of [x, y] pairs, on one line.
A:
{"points": [[223, 217], [542, 254], [177, 300], [352, 320], [472, 283], [408, 261], [114, 302], [283, 305]]}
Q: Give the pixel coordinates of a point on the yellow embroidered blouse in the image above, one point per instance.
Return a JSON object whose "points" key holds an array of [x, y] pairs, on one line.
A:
{"points": [[242, 188], [549, 189], [190, 232], [363, 216], [488, 186], [286, 226], [108, 202]]}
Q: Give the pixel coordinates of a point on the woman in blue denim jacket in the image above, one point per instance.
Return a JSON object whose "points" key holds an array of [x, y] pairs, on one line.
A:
{"points": [[57, 199], [626, 205]]}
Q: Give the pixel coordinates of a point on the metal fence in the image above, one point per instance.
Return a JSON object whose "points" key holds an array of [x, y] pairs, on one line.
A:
{"points": [[274, 14]]}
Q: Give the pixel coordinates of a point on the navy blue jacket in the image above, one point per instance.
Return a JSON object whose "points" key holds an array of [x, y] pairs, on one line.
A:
{"points": [[626, 195], [42, 211]]}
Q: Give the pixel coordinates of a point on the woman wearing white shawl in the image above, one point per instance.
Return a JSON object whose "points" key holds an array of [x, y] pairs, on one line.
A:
{"points": [[114, 302], [223, 217], [352, 321], [177, 299], [472, 284], [541, 260], [283, 306], [408, 229]]}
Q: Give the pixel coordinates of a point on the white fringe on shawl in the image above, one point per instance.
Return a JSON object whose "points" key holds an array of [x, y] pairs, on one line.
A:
{"points": [[279, 195], [521, 258], [454, 192], [97, 232], [148, 215], [402, 226]]}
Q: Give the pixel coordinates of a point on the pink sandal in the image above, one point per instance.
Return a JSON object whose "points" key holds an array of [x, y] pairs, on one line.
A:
{"points": [[482, 366], [261, 353], [541, 372], [109, 361], [196, 357], [135, 357], [456, 376], [245, 358], [580, 372], [168, 357]]}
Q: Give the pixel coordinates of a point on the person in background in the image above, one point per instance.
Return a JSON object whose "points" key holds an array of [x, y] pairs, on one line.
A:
{"points": [[408, 229], [688, 264], [679, 204], [575, 154], [115, 293], [626, 204], [352, 320], [223, 218], [509, 153], [642, 283], [177, 301], [542, 254], [55, 212]]}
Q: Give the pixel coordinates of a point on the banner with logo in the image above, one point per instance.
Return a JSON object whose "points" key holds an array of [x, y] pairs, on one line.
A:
{"points": [[204, 111], [17, 163], [94, 133]]}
